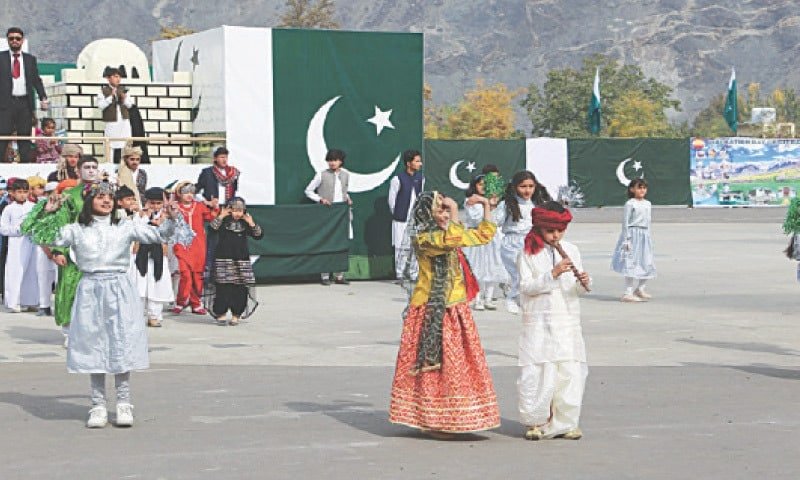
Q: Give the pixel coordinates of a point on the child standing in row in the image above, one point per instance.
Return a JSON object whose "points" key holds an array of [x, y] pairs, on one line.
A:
{"points": [[21, 286], [552, 354], [633, 256], [487, 266], [513, 216], [48, 147], [232, 271]]}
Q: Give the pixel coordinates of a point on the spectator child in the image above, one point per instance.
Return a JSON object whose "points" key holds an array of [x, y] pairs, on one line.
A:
{"points": [[48, 147], [21, 287]]}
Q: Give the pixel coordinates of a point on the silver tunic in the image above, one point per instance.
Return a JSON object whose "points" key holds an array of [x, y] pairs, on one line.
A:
{"points": [[107, 334]]}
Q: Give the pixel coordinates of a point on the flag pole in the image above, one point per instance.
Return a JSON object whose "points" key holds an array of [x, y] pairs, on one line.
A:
{"points": [[731, 111]]}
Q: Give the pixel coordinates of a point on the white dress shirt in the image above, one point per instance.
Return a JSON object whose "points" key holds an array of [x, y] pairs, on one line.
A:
{"points": [[18, 87]]}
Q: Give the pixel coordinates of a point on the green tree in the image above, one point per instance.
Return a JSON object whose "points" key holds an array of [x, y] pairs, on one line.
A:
{"points": [[635, 115], [485, 112], [309, 14], [559, 107]]}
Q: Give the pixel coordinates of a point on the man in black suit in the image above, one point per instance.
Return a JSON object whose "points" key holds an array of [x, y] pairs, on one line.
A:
{"points": [[19, 76]]}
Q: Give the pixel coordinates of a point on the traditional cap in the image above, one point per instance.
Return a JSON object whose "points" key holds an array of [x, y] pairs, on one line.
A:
{"points": [[184, 187], [50, 186], [36, 181], [94, 189], [65, 184], [124, 191], [154, 193], [71, 149], [543, 218], [130, 151]]}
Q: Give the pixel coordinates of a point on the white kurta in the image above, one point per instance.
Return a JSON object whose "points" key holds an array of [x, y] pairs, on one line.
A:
{"points": [[122, 127], [399, 228], [552, 353], [21, 286]]}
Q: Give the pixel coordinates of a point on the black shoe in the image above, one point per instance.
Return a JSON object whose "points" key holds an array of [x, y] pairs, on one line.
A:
{"points": [[326, 282], [43, 312], [342, 281]]}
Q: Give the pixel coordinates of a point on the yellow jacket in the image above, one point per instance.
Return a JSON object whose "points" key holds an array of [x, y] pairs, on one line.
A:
{"points": [[431, 244]]}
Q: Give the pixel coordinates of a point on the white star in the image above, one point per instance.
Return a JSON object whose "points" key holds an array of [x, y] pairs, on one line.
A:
{"points": [[471, 166], [637, 165], [381, 120]]}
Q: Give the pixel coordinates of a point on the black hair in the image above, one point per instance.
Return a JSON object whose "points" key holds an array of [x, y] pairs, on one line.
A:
{"points": [[409, 155], [14, 30], [220, 151], [108, 71], [790, 249], [635, 183], [540, 194], [335, 154], [86, 159], [473, 185], [490, 168], [86, 217], [553, 207], [47, 121], [124, 192], [19, 184]]}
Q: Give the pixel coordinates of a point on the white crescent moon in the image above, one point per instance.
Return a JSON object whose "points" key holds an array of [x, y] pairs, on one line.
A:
{"points": [[454, 177], [317, 149], [621, 172]]}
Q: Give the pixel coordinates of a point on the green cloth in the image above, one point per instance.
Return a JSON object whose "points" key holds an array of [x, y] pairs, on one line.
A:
{"points": [[43, 228]]}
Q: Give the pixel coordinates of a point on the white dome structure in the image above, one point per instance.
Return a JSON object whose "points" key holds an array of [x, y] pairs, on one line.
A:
{"points": [[116, 53]]}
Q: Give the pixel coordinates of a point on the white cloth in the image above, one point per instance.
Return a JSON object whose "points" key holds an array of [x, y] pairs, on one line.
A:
{"points": [[314, 184], [513, 239], [485, 260], [18, 86], [148, 287], [633, 255], [45, 276], [122, 127], [21, 285], [552, 353]]}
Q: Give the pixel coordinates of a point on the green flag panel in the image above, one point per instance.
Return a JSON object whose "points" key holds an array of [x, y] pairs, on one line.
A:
{"points": [[602, 168], [358, 92], [300, 239], [449, 165]]}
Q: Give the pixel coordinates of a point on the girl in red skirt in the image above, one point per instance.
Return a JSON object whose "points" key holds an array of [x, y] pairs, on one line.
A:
{"points": [[441, 382]]}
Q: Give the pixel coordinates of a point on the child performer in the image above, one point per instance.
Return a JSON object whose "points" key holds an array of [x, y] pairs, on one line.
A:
{"points": [[48, 148], [152, 271], [45, 267], [233, 273], [36, 184], [633, 256], [552, 355], [21, 286], [192, 259], [114, 103], [485, 261], [107, 334], [513, 216], [441, 381]]}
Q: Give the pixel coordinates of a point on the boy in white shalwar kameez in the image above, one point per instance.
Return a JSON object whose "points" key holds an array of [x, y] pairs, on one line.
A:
{"points": [[552, 354], [21, 285]]}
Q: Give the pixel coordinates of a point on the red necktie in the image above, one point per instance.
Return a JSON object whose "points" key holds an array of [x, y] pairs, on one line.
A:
{"points": [[15, 69]]}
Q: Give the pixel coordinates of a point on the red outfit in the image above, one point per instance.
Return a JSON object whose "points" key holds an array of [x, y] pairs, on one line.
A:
{"points": [[192, 259]]}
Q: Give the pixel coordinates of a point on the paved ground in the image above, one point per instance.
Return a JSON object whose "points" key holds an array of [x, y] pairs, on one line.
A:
{"points": [[702, 382]]}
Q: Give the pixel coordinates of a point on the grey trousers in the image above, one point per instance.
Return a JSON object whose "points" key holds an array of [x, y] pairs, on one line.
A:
{"points": [[121, 383]]}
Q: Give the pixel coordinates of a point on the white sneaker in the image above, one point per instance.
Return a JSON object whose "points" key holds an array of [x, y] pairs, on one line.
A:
{"points": [[124, 415], [98, 417], [479, 304], [512, 307], [630, 298], [491, 305]]}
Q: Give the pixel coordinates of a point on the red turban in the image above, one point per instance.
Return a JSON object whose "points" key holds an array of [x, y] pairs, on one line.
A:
{"points": [[543, 219]]}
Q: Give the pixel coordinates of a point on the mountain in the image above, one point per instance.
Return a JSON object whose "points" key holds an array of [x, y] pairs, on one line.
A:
{"points": [[687, 44]]}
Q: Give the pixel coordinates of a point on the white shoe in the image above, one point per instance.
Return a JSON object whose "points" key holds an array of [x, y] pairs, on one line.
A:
{"points": [[124, 415], [512, 307], [66, 341], [14, 310], [479, 304], [98, 417], [642, 294], [630, 298], [491, 305]]}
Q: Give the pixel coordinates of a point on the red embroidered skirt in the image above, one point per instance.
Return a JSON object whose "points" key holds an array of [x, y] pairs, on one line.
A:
{"points": [[457, 398]]}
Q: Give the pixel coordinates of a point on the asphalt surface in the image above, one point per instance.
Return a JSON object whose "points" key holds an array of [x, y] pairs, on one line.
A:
{"points": [[701, 382]]}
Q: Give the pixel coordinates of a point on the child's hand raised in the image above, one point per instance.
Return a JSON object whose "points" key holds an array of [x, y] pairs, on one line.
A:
{"points": [[224, 212], [249, 219]]}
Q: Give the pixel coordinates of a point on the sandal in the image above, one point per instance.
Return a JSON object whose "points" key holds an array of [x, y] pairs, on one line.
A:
{"points": [[153, 322], [233, 321]]}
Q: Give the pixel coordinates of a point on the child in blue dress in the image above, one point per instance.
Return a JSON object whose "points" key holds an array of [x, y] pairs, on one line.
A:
{"points": [[633, 256]]}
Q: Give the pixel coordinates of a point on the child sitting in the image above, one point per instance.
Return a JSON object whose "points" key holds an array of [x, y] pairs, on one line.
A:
{"points": [[48, 148]]}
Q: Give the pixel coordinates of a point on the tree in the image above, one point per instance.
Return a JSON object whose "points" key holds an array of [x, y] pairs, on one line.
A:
{"points": [[174, 31], [309, 14], [635, 115], [559, 107], [485, 112]]}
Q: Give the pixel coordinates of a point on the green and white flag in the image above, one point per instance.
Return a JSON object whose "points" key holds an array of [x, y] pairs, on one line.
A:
{"points": [[731, 112], [594, 105]]}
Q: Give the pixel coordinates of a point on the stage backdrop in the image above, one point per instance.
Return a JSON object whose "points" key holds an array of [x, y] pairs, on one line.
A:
{"points": [[602, 168], [744, 171], [283, 97], [449, 165]]}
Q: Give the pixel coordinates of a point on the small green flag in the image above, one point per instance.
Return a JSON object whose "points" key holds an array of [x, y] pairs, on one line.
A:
{"points": [[731, 113], [594, 105]]}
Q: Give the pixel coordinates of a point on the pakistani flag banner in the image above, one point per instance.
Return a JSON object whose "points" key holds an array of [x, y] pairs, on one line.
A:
{"points": [[449, 165], [359, 92], [601, 169]]}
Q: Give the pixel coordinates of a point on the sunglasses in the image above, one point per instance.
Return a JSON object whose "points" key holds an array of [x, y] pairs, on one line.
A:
{"points": [[14, 38]]}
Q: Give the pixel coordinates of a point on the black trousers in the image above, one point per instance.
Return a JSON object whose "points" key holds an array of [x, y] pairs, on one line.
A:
{"points": [[17, 118], [229, 296]]}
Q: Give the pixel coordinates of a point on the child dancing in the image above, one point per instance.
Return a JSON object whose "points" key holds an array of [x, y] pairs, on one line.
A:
{"points": [[552, 355], [633, 255]]}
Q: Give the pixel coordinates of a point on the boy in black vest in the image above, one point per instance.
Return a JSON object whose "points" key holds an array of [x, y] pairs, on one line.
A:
{"points": [[403, 191], [328, 187], [114, 102]]}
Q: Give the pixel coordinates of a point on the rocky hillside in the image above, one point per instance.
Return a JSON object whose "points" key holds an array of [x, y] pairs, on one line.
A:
{"points": [[688, 44]]}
